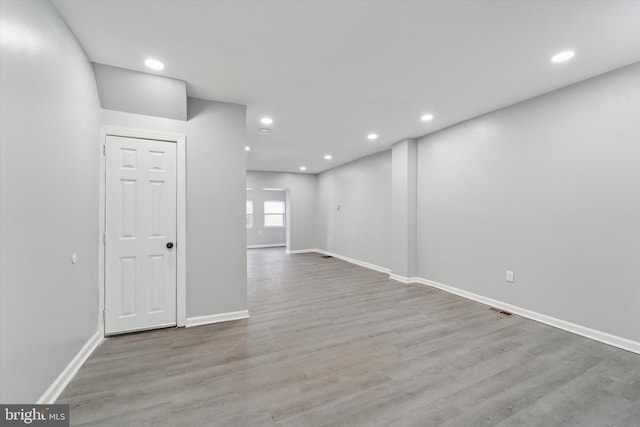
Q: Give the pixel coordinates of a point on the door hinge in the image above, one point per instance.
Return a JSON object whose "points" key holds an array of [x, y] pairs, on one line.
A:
{"points": [[104, 238], [104, 316], [104, 150]]}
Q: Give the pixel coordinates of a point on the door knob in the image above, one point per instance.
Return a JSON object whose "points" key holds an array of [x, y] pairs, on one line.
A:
{"points": [[169, 245]]}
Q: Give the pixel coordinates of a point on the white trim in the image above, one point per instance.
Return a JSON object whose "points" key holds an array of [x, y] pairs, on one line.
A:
{"points": [[302, 251], [287, 219], [402, 279], [181, 217], [355, 261], [57, 387], [181, 232], [603, 337], [275, 245], [141, 133], [217, 318], [102, 195]]}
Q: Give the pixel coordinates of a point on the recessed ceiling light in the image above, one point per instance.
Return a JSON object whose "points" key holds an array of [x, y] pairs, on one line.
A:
{"points": [[265, 131], [154, 64], [303, 168], [563, 56], [266, 120], [372, 136], [328, 157], [426, 117], [247, 148]]}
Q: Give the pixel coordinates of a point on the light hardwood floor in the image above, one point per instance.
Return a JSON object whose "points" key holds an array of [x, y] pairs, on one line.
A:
{"points": [[332, 344]]}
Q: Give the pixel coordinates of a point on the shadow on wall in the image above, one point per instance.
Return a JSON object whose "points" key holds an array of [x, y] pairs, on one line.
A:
{"points": [[194, 109]]}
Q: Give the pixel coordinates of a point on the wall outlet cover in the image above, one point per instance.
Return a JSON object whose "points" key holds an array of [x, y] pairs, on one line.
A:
{"points": [[509, 276]]}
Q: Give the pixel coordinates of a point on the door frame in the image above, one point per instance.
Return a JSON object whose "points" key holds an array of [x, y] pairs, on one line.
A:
{"points": [[181, 215]]}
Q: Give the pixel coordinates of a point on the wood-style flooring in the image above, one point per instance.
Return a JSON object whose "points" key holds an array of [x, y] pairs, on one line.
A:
{"points": [[333, 344]]}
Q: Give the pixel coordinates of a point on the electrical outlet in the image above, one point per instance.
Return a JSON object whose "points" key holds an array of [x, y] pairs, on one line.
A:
{"points": [[509, 276]]}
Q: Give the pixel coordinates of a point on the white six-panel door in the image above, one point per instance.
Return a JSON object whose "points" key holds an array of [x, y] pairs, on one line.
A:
{"points": [[140, 225]]}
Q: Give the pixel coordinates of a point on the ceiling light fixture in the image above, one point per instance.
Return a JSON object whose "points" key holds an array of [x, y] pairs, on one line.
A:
{"points": [[266, 120], [372, 136], [247, 148], [154, 64], [426, 117], [563, 56], [303, 168], [328, 157], [265, 131]]}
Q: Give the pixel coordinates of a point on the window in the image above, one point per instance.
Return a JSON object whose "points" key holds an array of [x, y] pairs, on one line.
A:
{"points": [[249, 214], [274, 213]]}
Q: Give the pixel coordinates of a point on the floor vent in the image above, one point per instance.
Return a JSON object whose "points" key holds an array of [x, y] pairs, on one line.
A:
{"points": [[497, 310], [327, 256]]}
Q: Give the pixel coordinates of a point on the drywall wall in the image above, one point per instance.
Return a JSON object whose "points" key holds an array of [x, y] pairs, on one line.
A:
{"points": [[216, 194], [354, 210], [122, 119], [141, 93], [403, 209], [49, 158], [548, 188], [216, 174], [258, 235], [301, 218]]}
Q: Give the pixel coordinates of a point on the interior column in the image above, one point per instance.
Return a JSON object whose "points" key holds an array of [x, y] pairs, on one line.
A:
{"points": [[403, 210]]}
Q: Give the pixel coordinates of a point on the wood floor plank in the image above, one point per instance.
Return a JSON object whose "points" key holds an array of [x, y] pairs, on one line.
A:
{"points": [[330, 344]]}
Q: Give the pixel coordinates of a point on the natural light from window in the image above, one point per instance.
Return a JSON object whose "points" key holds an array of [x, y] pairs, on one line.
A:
{"points": [[249, 214], [274, 213]]}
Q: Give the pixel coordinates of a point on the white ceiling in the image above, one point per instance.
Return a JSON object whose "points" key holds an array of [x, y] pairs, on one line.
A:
{"points": [[330, 72]]}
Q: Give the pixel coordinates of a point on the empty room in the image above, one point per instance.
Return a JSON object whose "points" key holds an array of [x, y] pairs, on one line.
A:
{"points": [[320, 213]]}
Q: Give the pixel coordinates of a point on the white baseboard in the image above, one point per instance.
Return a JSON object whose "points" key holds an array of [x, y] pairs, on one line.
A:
{"points": [[57, 387], [274, 245], [217, 318], [301, 251], [355, 261], [403, 279], [603, 337]]}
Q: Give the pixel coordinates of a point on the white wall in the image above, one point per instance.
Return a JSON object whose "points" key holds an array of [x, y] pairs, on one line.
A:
{"points": [[216, 195], [404, 242], [361, 229], [301, 223], [549, 188], [216, 190], [49, 157], [141, 122], [141, 93], [259, 235]]}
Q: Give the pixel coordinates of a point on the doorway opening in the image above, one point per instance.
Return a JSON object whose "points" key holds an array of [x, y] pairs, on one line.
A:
{"points": [[267, 218]]}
